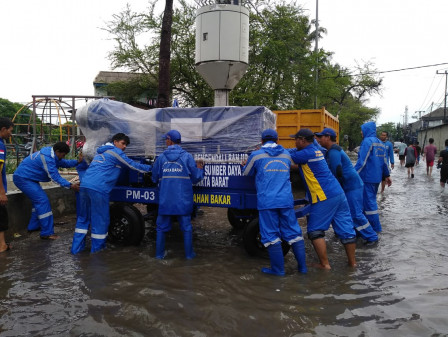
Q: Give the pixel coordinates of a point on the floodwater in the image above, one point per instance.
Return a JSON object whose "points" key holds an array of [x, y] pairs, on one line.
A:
{"points": [[400, 287]]}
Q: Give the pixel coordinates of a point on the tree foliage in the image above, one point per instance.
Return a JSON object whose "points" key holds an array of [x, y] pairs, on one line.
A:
{"points": [[395, 131], [131, 91], [21, 121], [282, 62]]}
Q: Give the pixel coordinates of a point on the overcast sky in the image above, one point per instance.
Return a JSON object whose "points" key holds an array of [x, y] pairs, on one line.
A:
{"points": [[57, 47]]}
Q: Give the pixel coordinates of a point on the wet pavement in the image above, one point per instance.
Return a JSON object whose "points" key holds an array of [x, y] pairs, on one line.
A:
{"points": [[400, 287]]}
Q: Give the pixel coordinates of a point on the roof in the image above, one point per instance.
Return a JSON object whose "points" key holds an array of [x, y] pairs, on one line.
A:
{"points": [[435, 115], [114, 76]]}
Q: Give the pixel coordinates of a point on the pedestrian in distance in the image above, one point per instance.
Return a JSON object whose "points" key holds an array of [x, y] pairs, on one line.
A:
{"points": [[429, 154], [328, 204], [384, 137], [175, 171], [42, 166], [271, 166], [411, 157], [96, 184], [343, 170], [401, 148], [443, 164], [372, 168], [6, 128], [419, 152]]}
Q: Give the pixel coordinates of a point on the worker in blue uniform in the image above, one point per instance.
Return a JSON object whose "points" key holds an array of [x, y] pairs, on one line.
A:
{"points": [[372, 168], [277, 220], [384, 137], [81, 169], [42, 166], [6, 128], [342, 168], [328, 202], [175, 171], [97, 182]]}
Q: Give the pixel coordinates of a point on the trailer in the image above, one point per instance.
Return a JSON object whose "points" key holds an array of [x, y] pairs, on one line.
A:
{"points": [[222, 137]]}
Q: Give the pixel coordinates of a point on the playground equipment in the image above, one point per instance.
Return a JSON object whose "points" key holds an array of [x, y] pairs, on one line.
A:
{"points": [[46, 120]]}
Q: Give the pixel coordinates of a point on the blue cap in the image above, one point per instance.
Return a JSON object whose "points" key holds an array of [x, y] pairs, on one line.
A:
{"points": [[303, 133], [269, 134], [173, 135], [326, 132]]}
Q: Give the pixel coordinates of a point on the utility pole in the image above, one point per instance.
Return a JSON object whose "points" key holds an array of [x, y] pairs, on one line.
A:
{"points": [[405, 116], [419, 114], [446, 81], [316, 50]]}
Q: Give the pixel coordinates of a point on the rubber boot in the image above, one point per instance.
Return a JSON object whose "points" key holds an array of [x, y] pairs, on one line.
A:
{"points": [[188, 245], [78, 243], [298, 249], [277, 262], [160, 245]]}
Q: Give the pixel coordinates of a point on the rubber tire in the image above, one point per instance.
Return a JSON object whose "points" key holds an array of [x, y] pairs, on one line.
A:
{"points": [[252, 241], [239, 218], [127, 226]]}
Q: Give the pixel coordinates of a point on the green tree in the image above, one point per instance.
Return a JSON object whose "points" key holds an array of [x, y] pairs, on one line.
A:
{"points": [[133, 90], [395, 132], [281, 63], [355, 114], [22, 120]]}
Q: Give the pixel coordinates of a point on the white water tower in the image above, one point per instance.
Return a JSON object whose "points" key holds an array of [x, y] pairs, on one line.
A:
{"points": [[222, 46]]}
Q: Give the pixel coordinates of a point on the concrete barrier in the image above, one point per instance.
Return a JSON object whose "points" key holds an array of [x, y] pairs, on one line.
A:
{"points": [[62, 200]]}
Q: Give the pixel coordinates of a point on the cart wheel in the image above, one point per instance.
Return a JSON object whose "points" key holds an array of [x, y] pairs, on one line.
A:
{"points": [[239, 218], [126, 225], [252, 241]]}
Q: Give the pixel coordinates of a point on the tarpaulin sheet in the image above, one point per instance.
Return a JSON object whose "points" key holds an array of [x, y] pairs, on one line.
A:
{"points": [[207, 131]]}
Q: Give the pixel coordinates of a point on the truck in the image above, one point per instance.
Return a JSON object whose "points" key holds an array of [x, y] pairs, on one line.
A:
{"points": [[222, 137], [291, 121]]}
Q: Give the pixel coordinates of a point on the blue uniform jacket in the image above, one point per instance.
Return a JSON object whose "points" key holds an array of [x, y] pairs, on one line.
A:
{"points": [[342, 168], [81, 169], [175, 171], [320, 182], [271, 167], [3, 163], [42, 166], [389, 152], [371, 165], [106, 166]]}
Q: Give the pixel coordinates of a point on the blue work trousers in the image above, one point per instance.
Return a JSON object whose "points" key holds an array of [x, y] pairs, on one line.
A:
{"points": [[163, 223], [277, 224], [41, 214], [371, 206], [362, 225], [94, 212], [333, 211]]}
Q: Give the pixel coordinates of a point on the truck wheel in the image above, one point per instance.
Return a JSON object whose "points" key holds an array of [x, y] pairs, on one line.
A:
{"points": [[126, 226], [239, 218], [252, 241]]}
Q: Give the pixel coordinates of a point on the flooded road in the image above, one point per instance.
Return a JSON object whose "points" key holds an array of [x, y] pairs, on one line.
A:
{"points": [[400, 287]]}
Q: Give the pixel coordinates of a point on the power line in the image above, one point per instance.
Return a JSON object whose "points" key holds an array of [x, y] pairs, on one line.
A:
{"points": [[402, 69], [430, 87], [386, 71]]}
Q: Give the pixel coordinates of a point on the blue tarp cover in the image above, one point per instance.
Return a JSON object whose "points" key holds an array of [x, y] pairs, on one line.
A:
{"points": [[214, 133]]}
